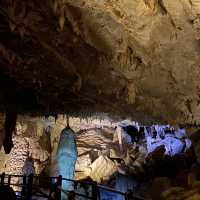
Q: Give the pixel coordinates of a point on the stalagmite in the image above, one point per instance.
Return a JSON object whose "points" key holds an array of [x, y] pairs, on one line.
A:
{"points": [[66, 158], [119, 135]]}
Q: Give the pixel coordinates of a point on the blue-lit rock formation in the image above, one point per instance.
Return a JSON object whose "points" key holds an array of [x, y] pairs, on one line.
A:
{"points": [[66, 159], [122, 184]]}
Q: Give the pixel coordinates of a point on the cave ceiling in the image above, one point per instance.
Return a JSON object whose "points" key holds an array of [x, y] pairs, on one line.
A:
{"points": [[136, 58]]}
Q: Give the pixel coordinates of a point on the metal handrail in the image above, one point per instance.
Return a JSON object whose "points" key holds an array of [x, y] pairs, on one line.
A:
{"points": [[34, 186]]}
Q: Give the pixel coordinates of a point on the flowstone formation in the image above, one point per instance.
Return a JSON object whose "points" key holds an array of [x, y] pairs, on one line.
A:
{"points": [[159, 163], [136, 58], [104, 151]]}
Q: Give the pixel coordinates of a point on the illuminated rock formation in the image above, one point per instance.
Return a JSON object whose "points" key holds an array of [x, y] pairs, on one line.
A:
{"points": [[66, 159], [99, 156], [27, 155]]}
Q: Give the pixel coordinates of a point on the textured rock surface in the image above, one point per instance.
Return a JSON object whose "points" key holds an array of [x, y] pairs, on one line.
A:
{"points": [[155, 44], [27, 156], [126, 57], [99, 155]]}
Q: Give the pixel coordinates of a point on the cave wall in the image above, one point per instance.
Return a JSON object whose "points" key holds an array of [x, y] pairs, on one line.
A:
{"points": [[97, 143], [30, 153], [41, 138]]}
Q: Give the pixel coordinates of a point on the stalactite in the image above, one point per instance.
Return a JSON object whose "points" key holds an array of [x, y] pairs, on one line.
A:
{"points": [[10, 123], [55, 117]]}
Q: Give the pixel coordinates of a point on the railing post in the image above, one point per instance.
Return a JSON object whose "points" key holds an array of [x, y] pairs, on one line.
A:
{"points": [[9, 179], [51, 187], [95, 192], [128, 195], [58, 188], [30, 187], [2, 179], [24, 187]]}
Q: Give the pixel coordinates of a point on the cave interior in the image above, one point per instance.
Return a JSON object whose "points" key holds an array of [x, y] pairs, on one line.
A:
{"points": [[102, 93]]}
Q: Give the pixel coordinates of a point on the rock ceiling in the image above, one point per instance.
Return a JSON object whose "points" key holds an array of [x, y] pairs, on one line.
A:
{"points": [[135, 58]]}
